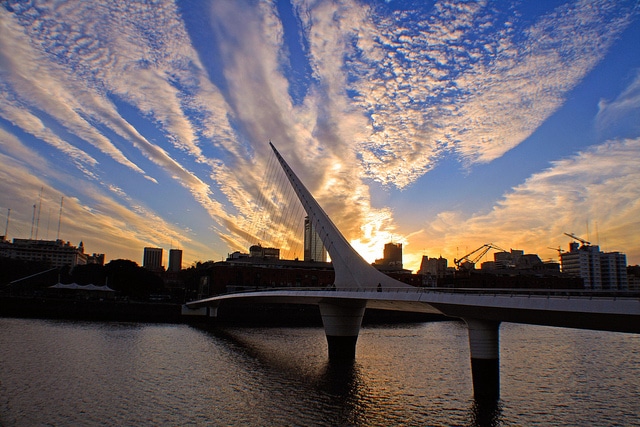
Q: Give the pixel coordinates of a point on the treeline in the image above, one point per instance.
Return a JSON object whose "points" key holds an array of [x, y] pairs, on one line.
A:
{"points": [[130, 280], [124, 276]]}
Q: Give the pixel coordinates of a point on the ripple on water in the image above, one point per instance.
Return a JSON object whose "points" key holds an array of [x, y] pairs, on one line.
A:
{"points": [[68, 373]]}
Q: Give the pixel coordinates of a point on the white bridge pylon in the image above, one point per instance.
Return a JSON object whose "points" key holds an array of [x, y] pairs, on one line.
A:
{"points": [[350, 269]]}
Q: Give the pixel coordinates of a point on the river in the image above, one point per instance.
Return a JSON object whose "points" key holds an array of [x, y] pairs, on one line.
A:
{"points": [[73, 373]]}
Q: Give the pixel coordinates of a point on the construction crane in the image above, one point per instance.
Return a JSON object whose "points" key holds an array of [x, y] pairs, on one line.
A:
{"points": [[557, 249], [560, 251], [467, 263], [584, 242]]}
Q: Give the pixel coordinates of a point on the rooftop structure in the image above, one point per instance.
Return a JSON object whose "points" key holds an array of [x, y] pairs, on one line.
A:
{"points": [[257, 251], [56, 253]]}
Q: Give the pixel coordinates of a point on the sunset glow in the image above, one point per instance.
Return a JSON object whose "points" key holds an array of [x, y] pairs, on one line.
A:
{"points": [[440, 125]]}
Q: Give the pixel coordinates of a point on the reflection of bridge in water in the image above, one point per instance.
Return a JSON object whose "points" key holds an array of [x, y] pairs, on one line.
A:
{"points": [[358, 286]]}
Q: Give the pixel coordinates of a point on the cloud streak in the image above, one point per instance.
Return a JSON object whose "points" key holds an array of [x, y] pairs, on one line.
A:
{"points": [[123, 92], [593, 193]]}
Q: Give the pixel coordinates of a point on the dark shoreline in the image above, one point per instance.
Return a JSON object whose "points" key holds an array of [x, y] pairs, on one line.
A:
{"points": [[163, 312]]}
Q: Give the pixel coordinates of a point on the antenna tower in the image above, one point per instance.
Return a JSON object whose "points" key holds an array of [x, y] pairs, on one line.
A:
{"points": [[59, 218], [39, 207], [6, 227], [33, 221]]}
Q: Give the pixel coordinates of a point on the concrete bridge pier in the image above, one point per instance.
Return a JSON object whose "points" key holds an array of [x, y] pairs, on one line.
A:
{"points": [[342, 320], [484, 345]]}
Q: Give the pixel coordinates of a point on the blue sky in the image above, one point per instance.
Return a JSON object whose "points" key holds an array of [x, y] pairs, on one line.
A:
{"points": [[441, 125]]}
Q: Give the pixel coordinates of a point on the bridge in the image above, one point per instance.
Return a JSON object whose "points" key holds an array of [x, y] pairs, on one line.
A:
{"points": [[359, 286]]}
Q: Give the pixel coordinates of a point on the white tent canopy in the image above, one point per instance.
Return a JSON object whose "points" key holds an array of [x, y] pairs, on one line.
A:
{"points": [[90, 287]]}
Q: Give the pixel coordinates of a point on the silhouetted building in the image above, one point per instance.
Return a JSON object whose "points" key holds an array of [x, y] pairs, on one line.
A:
{"points": [[314, 250], [633, 277], [243, 273], [392, 256], [257, 251], [152, 259], [392, 261], [95, 259], [613, 267], [56, 253], [175, 260], [516, 259], [436, 267]]}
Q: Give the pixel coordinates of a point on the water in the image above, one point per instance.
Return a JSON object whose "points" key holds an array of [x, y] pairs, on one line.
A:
{"points": [[81, 373]]}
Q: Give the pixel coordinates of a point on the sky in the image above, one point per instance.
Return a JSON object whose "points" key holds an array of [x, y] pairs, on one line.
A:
{"points": [[440, 125]]}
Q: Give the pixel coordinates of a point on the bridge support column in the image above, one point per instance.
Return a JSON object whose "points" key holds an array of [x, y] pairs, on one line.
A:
{"points": [[213, 311], [484, 344], [342, 320]]}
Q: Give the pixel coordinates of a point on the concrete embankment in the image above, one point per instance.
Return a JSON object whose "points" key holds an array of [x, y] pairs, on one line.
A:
{"points": [[52, 308], [228, 314]]}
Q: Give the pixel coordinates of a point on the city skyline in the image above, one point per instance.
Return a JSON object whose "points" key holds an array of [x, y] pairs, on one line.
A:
{"points": [[439, 125]]}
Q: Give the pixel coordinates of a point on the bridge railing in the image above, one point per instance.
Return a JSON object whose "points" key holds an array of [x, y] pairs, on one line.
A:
{"points": [[556, 293]]}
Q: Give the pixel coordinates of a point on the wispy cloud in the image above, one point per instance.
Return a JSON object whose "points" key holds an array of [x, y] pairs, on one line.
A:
{"points": [[473, 85], [622, 115], [119, 87], [90, 215], [593, 194], [72, 44], [34, 86]]}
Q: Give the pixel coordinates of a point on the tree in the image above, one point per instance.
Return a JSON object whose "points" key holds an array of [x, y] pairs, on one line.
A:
{"points": [[88, 274], [132, 280]]}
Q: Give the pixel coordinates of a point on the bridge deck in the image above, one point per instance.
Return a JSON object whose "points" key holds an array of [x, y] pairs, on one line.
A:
{"points": [[618, 311]]}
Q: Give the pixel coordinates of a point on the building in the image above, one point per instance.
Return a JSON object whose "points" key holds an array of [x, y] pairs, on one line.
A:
{"points": [[95, 259], [257, 251], [598, 270], [175, 260], [392, 256], [391, 263], [314, 250], [517, 260], [431, 270], [152, 259], [633, 277], [613, 270], [56, 253], [435, 267], [243, 273]]}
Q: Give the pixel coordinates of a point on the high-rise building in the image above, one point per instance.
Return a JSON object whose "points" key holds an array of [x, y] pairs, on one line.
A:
{"points": [[613, 266], [152, 259], [436, 267], [392, 256], [175, 259], [314, 250], [598, 270]]}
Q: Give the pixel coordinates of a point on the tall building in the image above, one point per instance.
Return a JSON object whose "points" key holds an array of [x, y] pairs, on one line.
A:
{"points": [[313, 248], [613, 267], [436, 267], [598, 270], [152, 259], [392, 256], [175, 259]]}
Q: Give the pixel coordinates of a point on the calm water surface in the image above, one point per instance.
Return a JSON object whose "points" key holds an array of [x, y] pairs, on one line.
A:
{"points": [[80, 373]]}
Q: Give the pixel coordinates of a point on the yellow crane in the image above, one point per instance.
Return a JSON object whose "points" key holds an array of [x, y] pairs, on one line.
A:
{"points": [[467, 263], [573, 236]]}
